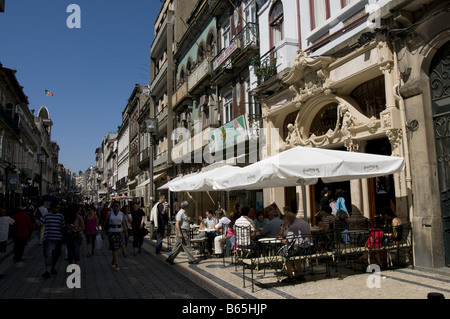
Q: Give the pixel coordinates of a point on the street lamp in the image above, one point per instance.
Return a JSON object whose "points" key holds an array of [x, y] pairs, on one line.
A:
{"points": [[152, 129]]}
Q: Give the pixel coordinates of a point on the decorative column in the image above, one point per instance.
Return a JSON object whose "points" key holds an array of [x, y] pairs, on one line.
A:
{"points": [[357, 219]]}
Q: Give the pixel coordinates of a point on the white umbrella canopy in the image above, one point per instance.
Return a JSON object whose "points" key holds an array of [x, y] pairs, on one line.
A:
{"points": [[305, 165], [166, 185], [201, 181]]}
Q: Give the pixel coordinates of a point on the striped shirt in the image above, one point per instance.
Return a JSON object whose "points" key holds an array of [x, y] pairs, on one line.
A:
{"points": [[54, 225]]}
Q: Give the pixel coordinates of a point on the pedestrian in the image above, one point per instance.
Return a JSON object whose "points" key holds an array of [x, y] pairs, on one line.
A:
{"points": [[182, 226], [163, 219], [128, 220], [40, 211], [54, 227], [23, 228], [340, 205], [74, 228], [5, 223], [115, 225], [138, 225], [91, 231], [102, 214]]}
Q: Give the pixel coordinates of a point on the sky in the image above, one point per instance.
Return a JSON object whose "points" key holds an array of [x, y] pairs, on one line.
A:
{"points": [[91, 70]]}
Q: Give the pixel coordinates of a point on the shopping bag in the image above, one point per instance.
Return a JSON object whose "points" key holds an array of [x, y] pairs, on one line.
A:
{"points": [[98, 241]]}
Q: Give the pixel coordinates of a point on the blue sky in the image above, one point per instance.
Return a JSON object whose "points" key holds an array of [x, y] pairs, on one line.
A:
{"points": [[90, 70]]}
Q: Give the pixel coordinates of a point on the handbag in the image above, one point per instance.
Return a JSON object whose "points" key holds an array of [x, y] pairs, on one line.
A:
{"points": [[144, 231], [341, 215], [98, 241]]}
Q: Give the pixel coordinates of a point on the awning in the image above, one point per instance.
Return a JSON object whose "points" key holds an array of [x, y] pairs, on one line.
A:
{"points": [[201, 181], [147, 181], [305, 165]]}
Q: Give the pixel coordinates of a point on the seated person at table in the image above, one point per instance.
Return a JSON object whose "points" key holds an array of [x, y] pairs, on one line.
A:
{"points": [[298, 242], [273, 226], [244, 238], [328, 220], [206, 224], [221, 229], [260, 221]]}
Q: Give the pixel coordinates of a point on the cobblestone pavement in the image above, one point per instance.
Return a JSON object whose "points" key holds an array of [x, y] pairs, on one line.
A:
{"points": [[140, 277], [148, 276]]}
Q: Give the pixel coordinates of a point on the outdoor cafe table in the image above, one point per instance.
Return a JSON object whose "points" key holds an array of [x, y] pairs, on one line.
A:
{"points": [[269, 245]]}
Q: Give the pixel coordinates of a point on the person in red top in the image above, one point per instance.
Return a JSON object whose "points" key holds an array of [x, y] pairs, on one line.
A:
{"points": [[23, 227]]}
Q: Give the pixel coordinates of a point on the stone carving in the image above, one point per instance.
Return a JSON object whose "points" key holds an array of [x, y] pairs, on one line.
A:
{"points": [[308, 76], [346, 121]]}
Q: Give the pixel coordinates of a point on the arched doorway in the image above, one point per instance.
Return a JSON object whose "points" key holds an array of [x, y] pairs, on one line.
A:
{"points": [[440, 100]]}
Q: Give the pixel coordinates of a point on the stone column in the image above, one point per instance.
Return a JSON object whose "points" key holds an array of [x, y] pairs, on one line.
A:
{"points": [[357, 220]]}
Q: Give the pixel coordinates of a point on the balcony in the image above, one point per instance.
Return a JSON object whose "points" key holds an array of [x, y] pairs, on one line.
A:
{"points": [[267, 66], [158, 78], [242, 49], [201, 72], [218, 7], [195, 144], [180, 94], [160, 159]]}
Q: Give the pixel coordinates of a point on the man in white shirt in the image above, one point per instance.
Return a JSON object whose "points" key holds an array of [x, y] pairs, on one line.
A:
{"points": [[221, 228], [182, 226], [243, 238]]}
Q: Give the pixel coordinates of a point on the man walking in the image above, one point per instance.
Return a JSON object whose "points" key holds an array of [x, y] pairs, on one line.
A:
{"points": [[163, 212], [54, 226], [183, 240]]}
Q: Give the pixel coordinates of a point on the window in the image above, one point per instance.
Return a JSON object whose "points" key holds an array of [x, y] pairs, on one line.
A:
{"points": [[226, 34], [276, 23], [346, 2], [228, 108], [200, 53], [250, 11], [320, 12], [325, 120], [371, 97], [211, 45]]}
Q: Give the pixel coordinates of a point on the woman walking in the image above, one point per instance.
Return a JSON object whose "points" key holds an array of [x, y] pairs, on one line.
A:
{"points": [[74, 228], [115, 224], [92, 226]]}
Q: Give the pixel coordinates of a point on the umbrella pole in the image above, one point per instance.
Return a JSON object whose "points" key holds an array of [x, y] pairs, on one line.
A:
{"points": [[304, 202]]}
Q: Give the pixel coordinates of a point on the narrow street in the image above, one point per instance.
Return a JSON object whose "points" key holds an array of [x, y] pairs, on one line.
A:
{"points": [[140, 277]]}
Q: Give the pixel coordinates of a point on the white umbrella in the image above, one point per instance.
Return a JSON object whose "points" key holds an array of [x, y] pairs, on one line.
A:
{"points": [[201, 181], [166, 185], [305, 165]]}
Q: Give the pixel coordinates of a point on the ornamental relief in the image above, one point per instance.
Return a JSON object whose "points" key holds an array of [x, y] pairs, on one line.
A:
{"points": [[308, 77], [349, 124]]}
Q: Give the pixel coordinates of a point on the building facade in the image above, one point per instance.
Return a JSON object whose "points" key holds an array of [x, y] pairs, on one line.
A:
{"points": [[369, 77], [28, 156]]}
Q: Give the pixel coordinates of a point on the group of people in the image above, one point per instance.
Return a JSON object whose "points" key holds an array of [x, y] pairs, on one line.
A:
{"points": [[66, 226], [219, 230]]}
